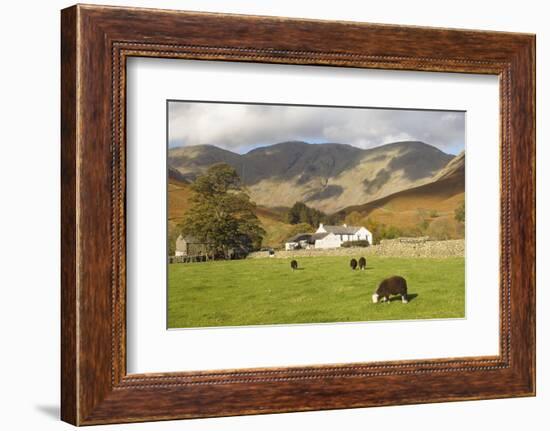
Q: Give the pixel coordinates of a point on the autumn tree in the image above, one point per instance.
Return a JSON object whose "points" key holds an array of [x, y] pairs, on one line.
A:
{"points": [[222, 214], [380, 231], [460, 217], [355, 218], [460, 212]]}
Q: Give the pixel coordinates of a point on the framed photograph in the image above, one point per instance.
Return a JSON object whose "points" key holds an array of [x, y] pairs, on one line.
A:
{"points": [[263, 214]]}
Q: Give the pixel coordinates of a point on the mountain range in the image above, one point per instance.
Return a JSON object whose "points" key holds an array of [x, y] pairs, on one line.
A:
{"points": [[331, 177]]}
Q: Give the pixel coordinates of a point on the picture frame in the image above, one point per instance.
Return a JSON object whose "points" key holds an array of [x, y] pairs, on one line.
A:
{"points": [[96, 42]]}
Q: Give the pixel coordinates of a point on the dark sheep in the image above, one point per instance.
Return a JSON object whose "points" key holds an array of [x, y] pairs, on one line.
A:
{"points": [[294, 265], [362, 263], [353, 264], [395, 285]]}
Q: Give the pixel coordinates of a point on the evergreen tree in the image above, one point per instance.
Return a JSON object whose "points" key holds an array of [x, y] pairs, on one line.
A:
{"points": [[301, 213]]}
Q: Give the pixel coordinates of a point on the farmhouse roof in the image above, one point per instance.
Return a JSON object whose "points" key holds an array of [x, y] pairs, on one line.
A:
{"points": [[342, 230], [317, 236], [299, 237]]}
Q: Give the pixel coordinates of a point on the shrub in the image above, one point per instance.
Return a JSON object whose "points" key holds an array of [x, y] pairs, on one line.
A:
{"points": [[424, 225], [392, 232], [460, 212], [441, 229]]}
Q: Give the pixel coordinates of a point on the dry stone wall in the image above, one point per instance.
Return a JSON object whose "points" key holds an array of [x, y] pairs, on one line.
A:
{"points": [[400, 247]]}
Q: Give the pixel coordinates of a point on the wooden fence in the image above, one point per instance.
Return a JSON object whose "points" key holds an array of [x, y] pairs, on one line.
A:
{"points": [[188, 259]]}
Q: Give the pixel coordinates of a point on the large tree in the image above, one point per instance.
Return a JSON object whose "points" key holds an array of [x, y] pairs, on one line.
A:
{"points": [[222, 213]]}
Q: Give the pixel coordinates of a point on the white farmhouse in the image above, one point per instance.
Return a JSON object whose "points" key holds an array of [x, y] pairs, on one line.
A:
{"points": [[334, 236], [328, 237]]}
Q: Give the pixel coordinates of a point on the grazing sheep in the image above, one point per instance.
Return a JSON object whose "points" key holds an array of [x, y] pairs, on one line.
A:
{"points": [[353, 264], [294, 265], [395, 285], [362, 263]]}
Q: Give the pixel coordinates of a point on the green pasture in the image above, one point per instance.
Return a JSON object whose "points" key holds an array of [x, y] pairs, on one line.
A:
{"points": [[323, 289]]}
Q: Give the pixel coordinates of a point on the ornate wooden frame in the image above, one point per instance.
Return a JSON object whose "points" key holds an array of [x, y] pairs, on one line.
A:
{"points": [[95, 42]]}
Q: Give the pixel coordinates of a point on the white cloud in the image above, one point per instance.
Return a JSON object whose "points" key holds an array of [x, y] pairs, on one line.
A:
{"points": [[241, 127]]}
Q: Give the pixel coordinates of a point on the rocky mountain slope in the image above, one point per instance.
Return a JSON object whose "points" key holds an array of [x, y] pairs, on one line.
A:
{"points": [[329, 177]]}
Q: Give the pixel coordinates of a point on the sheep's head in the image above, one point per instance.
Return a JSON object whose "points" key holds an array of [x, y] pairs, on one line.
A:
{"points": [[375, 298]]}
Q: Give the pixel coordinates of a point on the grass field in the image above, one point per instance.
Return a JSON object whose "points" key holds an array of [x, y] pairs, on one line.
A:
{"points": [[324, 289]]}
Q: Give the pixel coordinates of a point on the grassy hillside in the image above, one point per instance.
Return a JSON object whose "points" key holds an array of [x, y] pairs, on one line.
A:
{"points": [[428, 209], [277, 230], [179, 194], [324, 289], [406, 213]]}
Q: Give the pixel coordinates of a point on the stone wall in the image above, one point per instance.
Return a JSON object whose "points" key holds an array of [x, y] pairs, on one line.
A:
{"points": [[401, 247], [407, 247]]}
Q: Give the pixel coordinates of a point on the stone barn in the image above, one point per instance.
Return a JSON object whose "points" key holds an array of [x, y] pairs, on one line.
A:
{"points": [[191, 246]]}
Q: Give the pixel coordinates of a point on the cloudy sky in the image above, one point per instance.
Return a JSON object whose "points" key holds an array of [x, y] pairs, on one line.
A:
{"points": [[242, 127]]}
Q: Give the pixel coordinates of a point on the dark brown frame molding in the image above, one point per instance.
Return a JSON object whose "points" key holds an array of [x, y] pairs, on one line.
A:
{"points": [[95, 43]]}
